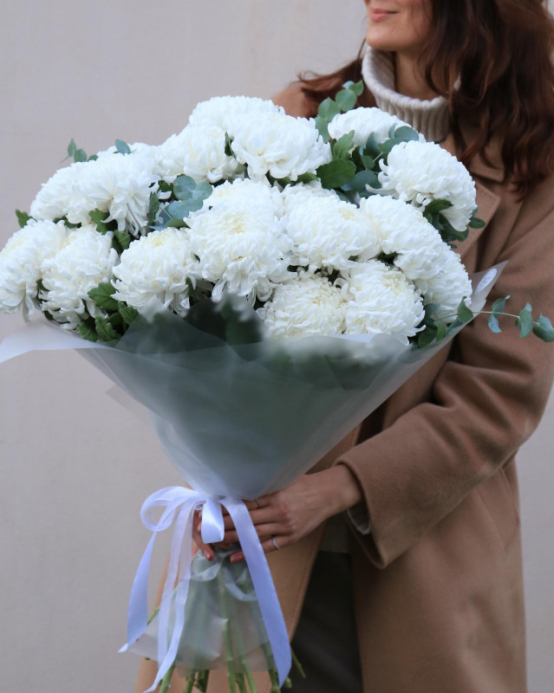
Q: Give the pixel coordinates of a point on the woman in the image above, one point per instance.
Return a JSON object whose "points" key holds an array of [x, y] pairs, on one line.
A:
{"points": [[421, 590]]}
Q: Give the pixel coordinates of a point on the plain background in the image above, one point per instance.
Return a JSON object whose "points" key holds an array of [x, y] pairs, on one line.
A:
{"points": [[76, 466]]}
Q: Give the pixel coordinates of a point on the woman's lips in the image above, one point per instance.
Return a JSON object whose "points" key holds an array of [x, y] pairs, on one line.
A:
{"points": [[380, 15]]}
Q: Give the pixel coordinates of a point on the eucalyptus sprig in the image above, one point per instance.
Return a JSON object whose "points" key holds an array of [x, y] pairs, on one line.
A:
{"points": [[436, 329]]}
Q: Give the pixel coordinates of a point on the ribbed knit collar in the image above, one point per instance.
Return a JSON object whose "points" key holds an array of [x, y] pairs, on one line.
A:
{"points": [[431, 118]]}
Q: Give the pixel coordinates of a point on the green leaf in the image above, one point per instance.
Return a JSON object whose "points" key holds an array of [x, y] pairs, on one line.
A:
{"points": [[203, 191], [525, 321], [346, 99], [175, 224], [368, 162], [341, 148], [361, 179], [406, 134], [322, 127], [165, 187], [93, 157], [356, 87], [372, 146], [437, 206], [494, 325], [476, 223], [336, 173], [427, 336], [102, 296], [328, 109], [104, 330], [123, 238], [99, 218], [229, 145], [153, 209], [128, 313], [122, 147], [441, 331], [306, 178], [22, 218], [387, 146], [71, 148], [464, 313], [543, 329], [80, 155], [499, 305], [183, 187], [87, 333]]}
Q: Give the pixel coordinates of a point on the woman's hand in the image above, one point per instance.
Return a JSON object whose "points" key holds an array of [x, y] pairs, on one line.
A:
{"points": [[295, 511]]}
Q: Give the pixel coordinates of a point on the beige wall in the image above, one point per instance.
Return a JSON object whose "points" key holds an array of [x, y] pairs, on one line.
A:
{"points": [[75, 465]]}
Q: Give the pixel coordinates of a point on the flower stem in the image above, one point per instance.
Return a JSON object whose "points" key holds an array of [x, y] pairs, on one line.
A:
{"points": [[297, 664], [167, 678]]}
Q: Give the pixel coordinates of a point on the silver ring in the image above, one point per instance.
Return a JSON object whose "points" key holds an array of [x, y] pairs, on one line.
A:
{"points": [[257, 502], [274, 543]]}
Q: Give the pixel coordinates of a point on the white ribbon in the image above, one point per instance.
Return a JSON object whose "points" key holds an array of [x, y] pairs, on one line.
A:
{"points": [[181, 503]]}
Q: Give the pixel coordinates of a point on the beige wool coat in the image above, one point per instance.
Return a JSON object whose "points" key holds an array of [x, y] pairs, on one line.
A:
{"points": [[438, 581]]}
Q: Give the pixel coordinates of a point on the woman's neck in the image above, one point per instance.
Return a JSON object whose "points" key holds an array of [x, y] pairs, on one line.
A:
{"points": [[410, 80]]}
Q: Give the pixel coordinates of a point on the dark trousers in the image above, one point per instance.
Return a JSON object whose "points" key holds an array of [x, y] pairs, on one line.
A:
{"points": [[325, 641]]}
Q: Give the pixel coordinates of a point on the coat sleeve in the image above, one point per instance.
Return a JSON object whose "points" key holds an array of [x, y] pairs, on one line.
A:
{"points": [[485, 403]]}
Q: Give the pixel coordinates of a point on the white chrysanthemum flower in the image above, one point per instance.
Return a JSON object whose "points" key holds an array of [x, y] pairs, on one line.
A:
{"points": [[21, 261], [138, 149], [300, 193], [381, 300], [153, 272], [364, 122], [198, 152], [327, 233], [240, 249], [60, 194], [403, 231], [303, 307], [225, 111], [278, 144], [448, 288], [419, 172], [85, 260], [247, 193], [119, 185]]}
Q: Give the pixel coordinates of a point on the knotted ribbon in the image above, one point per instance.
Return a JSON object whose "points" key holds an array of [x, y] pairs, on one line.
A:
{"points": [[180, 503]]}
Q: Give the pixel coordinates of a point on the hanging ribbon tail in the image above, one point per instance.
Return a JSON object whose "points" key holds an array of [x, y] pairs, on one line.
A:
{"points": [[263, 584]]}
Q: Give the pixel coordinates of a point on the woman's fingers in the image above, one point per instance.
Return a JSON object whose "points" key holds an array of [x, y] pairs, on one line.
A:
{"points": [[267, 545], [268, 513], [206, 549], [263, 530]]}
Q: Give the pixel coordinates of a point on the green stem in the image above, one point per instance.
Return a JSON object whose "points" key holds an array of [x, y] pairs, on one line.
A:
{"points": [[241, 683], [190, 682], [297, 664], [167, 678], [226, 632]]}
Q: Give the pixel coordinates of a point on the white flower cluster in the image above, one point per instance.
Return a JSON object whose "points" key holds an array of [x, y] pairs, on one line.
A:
{"points": [[310, 261]]}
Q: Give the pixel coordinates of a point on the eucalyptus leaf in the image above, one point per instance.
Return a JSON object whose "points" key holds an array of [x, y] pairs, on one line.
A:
{"points": [[543, 329], [494, 325], [336, 173], [465, 314], [80, 155], [346, 99], [322, 127], [71, 148], [361, 180], [406, 134], [372, 146], [476, 223], [183, 187], [306, 178], [525, 321], [328, 109], [441, 331], [356, 87], [341, 148], [175, 224], [499, 305], [426, 337], [122, 147]]}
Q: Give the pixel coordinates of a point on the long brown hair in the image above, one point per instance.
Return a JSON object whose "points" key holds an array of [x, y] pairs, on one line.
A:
{"points": [[501, 50]]}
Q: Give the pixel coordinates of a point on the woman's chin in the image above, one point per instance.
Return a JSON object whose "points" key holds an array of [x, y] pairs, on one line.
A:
{"points": [[383, 40]]}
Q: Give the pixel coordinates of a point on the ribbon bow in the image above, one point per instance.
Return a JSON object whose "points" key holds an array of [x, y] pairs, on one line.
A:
{"points": [[181, 503]]}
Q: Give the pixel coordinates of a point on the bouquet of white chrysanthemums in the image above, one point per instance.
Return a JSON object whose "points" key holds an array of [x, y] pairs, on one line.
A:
{"points": [[261, 283]]}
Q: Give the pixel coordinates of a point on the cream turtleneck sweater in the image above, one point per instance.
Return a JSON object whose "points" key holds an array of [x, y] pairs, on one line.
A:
{"points": [[431, 118]]}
